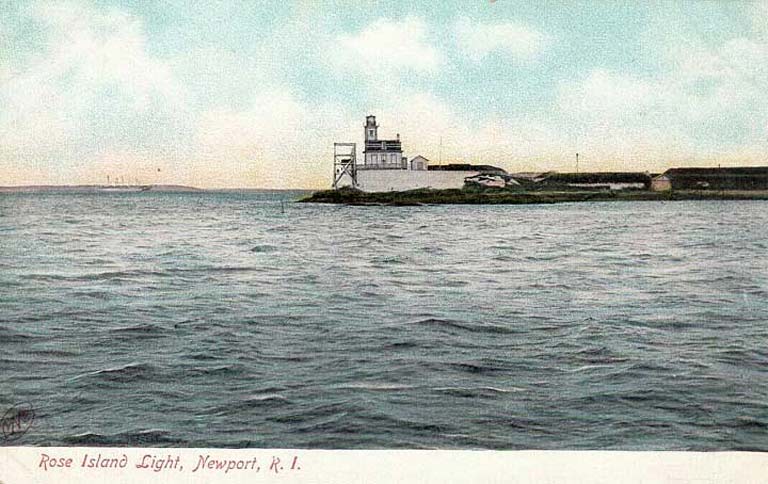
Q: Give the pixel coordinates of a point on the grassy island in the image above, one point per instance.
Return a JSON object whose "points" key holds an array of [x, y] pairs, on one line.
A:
{"points": [[351, 196]]}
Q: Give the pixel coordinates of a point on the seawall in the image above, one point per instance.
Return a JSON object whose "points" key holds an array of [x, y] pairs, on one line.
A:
{"points": [[402, 180]]}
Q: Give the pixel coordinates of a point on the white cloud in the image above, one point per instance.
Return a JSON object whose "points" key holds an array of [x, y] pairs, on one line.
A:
{"points": [[96, 95], [273, 118], [682, 117], [95, 48], [93, 88], [384, 46], [730, 77], [608, 95], [278, 141], [760, 16], [619, 111], [432, 127], [477, 40], [94, 102], [621, 121]]}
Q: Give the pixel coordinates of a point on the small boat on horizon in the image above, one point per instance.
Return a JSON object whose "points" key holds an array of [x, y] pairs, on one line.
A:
{"points": [[121, 186], [124, 188]]}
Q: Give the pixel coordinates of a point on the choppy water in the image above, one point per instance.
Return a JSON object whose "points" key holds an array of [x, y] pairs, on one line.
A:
{"points": [[232, 319]]}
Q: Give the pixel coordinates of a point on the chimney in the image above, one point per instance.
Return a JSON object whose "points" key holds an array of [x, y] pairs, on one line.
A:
{"points": [[398, 136]]}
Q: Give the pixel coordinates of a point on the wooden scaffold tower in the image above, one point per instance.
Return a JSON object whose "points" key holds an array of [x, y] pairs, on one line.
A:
{"points": [[344, 164]]}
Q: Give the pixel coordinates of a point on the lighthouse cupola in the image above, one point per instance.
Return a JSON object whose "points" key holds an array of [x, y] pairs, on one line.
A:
{"points": [[371, 129]]}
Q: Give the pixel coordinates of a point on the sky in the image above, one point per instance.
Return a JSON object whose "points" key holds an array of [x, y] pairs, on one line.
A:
{"points": [[254, 94]]}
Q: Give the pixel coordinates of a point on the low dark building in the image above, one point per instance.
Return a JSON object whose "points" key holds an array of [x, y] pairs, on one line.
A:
{"points": [[599, 180], [739, 178]]}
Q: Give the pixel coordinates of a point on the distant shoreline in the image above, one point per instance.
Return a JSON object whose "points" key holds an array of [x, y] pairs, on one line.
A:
{"points": [[154, 188], [499, 197], [94, 188]]}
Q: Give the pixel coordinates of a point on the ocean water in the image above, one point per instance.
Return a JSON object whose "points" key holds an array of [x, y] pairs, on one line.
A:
{"points": [[242, 319]]}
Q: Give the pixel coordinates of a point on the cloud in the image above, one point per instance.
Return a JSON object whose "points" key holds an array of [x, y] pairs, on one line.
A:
{"points": [[478, 40], [386, 47], [85, 93], [91, 88], [434, 128], [277, 141], [93, 48], [93, 101], [621, 116], [707, 107], [729, 77], [608, 95], [760, 16]]}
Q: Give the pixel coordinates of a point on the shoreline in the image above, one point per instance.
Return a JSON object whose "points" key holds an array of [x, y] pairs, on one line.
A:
{"points": [[93, 188], [507, 197], [153, 188]]}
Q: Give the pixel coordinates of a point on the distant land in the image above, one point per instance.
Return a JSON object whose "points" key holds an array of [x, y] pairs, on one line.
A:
{"points": [[81, 188]]}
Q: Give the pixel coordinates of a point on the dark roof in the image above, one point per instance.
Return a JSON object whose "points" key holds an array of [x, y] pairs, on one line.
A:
{"points": [[468, 167], [730, 171], [736, 178], [599, 177]]}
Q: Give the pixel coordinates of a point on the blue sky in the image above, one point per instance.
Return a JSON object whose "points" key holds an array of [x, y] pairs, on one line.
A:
{"points": [[253, 94]]}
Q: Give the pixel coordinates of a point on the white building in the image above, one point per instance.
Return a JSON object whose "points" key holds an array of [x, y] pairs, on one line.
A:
{"points": [[419, 163]]}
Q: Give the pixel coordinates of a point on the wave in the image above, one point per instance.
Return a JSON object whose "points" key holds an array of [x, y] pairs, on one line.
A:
{"points": [[132, 372], [599, 355], [52, 353], [751, 423], [477, 368], [450, 324], [270, 398], [477, 392], [401, 345], [8, 335], [217, 370], [376, 387], [253, 402], [390, 260], [140, 329], [144, 437], [129, 274], [317, 414], [264, 248]]}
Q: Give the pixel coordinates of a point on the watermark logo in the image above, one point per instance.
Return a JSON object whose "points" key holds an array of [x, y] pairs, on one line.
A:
{"points": [[16, 421]]}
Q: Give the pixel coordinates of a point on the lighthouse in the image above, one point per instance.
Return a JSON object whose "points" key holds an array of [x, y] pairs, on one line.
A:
{"points": [[384, 168], [381, 154]]}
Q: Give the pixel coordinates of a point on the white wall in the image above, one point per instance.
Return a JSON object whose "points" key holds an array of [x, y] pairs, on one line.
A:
{"points": [[612, 186], [398, 180]]}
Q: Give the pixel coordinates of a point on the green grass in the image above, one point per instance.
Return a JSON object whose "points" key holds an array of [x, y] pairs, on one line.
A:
{"points": [[350, 196]]}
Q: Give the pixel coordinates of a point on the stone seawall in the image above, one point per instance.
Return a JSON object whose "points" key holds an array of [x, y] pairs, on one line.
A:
{"points": [[401, 180]]}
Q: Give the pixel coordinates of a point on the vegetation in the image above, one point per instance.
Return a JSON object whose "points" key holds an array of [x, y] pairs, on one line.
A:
{"points": [[493, 196]]}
